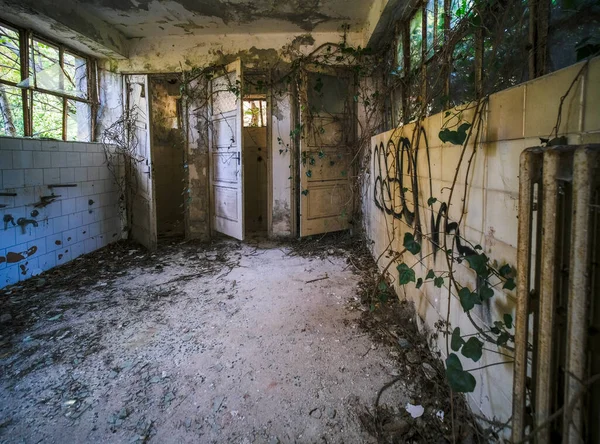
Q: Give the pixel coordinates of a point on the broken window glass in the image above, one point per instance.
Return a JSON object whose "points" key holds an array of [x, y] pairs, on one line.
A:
{"points": [[44, 57], [75, 71], [78, 121]]}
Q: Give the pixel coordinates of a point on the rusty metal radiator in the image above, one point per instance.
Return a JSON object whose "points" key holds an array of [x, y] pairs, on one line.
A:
{"points": [[557, 324]]}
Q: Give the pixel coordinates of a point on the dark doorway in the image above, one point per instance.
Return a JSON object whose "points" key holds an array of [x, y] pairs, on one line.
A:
{"points": [[168, 153]]}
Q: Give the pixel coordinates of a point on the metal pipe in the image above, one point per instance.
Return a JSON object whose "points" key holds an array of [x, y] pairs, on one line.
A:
{"points": [[523, 283], [583, 164], [544, 369]]}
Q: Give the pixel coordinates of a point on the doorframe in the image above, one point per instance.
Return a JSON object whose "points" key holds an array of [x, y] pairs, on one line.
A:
{"points": [[183, 129], [269, 153], [148, 135]]}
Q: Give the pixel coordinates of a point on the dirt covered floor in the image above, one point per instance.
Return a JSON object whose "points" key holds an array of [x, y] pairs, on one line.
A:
{"points": [[256, 342]]}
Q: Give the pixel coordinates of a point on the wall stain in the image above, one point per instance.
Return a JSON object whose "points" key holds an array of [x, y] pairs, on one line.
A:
{"points": [[12, 257], [303, 13]]}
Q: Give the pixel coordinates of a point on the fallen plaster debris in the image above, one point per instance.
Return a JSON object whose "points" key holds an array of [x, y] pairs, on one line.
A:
{"points": [[416, 411]]}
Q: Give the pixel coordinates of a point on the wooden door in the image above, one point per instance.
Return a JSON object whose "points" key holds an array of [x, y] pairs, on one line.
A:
{"points": [[226, 161], [327, 137], [143, 208]]}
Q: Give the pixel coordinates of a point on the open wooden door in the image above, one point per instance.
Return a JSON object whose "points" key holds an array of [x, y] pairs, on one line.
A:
{"points": [[328, 132], [143, 208], [226, 167]]}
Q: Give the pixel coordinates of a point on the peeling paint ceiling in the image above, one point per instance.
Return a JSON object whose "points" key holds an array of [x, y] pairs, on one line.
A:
{"points": [[155, 18]]}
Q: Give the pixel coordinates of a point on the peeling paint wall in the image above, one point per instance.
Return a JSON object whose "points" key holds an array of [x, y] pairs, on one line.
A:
{"points": [[75, 221], [282, 164], [175, 54], [515, 119], [67, 22], [196, 196], [110, 96], [160, 18]]}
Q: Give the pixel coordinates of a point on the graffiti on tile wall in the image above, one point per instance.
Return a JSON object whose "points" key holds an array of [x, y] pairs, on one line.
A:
{"points": [[395, 167]]}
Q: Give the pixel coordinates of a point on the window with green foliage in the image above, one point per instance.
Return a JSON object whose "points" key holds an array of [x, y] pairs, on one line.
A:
{"points": [[574, 32], [416, 39], [474, 48], [45, 88], [255, 113]]}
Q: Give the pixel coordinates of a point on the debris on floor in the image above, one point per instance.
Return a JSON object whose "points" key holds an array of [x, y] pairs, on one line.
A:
{"points": [[257, 342]]}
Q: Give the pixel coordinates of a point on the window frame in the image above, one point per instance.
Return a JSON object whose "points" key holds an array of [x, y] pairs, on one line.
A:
{"points": [[448, 35], [26, 38]]}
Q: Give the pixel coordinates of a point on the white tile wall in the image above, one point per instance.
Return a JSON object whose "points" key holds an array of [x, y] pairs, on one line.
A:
{"points": [[515, 120], [83, 219]]}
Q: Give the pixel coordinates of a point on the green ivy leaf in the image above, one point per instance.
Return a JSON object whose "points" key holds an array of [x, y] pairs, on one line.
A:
{"points": [[503, 338], [404, 190], [430, 275], [473, 349], [309, 173], [321, 154], [431, 201], [505, 270], [382, 286], [485, 293], [460, 381], [508, 320], [456, 342], [468, 299], [495, 330], [419, 283], [478, 262], [305, 192], [318, 84], [478, 247], [438, 282], [510, 284], [457, 137], [411, 244], [406, 274]]}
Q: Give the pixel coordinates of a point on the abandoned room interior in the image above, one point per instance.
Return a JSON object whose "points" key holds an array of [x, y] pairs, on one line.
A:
{"points": [[300, 221]]}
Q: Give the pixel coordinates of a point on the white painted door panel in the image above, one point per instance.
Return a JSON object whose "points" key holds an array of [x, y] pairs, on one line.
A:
{"points": [[143, 217], [327, 120], [226, 162]]}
